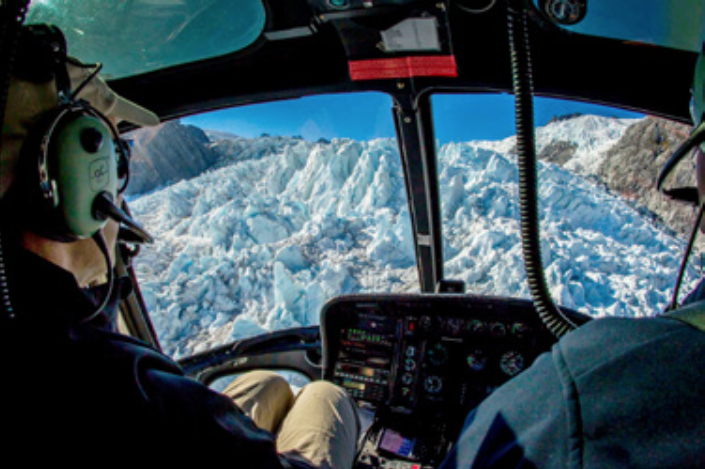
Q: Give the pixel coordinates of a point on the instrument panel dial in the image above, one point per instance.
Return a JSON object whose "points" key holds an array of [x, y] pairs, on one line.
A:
{"points": [[433, 384], [438, 354], [477, 360], [512, 363]]}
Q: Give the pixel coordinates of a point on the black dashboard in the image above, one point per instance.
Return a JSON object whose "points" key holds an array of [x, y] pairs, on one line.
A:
{"points": [[419, 363]]}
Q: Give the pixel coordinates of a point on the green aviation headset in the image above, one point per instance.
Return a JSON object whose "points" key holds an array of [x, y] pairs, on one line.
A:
{"points": [[71, 156], [73, 163], [74, 155], [77, 168]]}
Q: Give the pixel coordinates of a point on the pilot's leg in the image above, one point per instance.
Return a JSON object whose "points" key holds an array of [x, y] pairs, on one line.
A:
{"points": [[322, 427], [264, 396]]}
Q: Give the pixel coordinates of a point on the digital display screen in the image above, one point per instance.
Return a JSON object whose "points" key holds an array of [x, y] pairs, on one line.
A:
{"points": [[362, 371], [395, 443], [353, 385], [361, 335]]}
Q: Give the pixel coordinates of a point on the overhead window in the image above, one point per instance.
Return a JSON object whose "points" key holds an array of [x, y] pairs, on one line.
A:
{"points": [[633, 20], [136, 36]]}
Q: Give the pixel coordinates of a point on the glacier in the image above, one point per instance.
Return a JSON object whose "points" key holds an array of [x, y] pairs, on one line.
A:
{"points": [[262, 240]]}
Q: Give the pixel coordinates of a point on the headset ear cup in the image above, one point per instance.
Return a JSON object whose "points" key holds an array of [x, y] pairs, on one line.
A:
{"points": [[67, 161], [82, 164]]}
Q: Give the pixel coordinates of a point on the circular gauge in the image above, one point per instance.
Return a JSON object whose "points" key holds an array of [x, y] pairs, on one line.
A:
{"points": [[410, 351], [338, 3], [407, 378], [438, 354], [497, 329], [433, 384], [519, 329], [512, 363], [476, 327], [475, 6], [477, 360], [566, 12], [409, 364]]}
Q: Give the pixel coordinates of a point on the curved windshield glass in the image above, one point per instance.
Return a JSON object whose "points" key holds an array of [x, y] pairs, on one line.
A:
{"points": [[263, 213], [137, 36], [677, 24], [611, 244]]}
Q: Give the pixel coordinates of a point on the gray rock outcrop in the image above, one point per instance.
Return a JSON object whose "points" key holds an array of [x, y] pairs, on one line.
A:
{"points": [[632, 166], [168, 153]]}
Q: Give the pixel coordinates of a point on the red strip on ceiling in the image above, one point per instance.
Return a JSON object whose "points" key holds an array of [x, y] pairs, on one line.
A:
{"points": [[403, 67]]}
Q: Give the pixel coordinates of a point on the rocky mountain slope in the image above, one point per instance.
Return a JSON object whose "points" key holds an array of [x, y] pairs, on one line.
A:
{"points": [[631, 167], [168, 153]]}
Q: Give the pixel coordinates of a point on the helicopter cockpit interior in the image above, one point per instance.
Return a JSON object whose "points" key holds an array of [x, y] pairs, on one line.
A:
{"points": [[416, 361]]}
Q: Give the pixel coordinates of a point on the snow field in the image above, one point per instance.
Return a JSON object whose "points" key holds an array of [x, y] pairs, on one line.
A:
{"points": [[281, 225]]}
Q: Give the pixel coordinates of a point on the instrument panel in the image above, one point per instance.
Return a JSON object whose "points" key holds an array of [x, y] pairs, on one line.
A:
{"points": [[422, 362]]}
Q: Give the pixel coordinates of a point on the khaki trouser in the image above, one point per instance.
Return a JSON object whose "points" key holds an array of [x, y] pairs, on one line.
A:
{"points": [[319, 425]]}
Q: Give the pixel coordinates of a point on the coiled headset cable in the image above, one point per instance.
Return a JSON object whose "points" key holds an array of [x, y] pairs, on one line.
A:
{"points": [[12, 18], [5, 299], [99, 240]]}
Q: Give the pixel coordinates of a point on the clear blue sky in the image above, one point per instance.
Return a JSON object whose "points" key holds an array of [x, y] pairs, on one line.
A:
{"points": [[364, 116]]}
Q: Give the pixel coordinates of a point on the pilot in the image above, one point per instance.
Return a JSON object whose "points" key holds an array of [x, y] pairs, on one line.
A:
{"points": [[615, 393], [76, 390]]}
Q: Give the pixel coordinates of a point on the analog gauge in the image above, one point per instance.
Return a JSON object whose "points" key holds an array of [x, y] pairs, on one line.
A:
{"points": [[409, 364], [477, 360], [438, 354], [566, 12], [497, 329], [407, 378], [476, 327], [519, 329], [410, 351], [512, 363], [433, 384]]}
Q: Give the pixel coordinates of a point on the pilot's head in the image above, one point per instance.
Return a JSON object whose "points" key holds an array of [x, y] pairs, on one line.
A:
{"points": [[42, 143]]}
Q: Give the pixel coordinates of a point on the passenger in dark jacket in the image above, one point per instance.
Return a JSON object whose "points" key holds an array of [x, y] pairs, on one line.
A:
{"points": [[615, 393]]}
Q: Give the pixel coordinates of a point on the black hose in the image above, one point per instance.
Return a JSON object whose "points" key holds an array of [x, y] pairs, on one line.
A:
{"points": [[684, 262], [549, 313], [12, 15]]}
